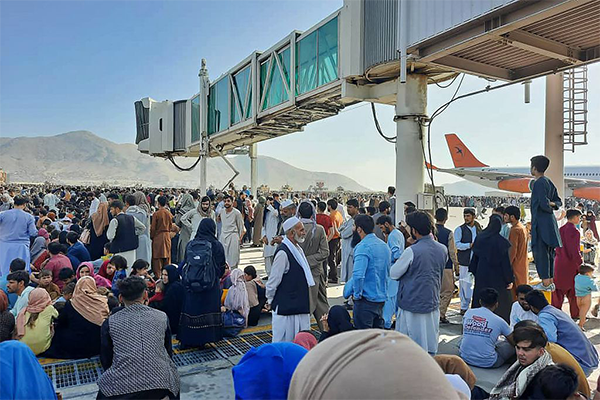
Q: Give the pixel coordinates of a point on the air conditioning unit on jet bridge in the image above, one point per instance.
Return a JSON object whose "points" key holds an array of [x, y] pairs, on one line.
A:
{"points": [[163, 127]]}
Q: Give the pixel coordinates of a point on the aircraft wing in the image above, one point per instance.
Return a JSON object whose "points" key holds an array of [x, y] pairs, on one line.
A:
{"points": [[515, 182]]}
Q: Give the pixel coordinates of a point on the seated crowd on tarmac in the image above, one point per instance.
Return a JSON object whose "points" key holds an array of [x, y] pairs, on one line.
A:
{"points": [[118, 274]]}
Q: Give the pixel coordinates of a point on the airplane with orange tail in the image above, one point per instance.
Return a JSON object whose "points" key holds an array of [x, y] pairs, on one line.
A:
{"points": [[580, 181]]}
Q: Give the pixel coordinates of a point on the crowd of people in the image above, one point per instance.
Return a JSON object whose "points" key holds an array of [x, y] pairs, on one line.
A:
{"points": [[117, 274]]}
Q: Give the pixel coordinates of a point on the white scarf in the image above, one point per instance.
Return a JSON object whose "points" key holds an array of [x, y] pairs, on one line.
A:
{"points": [[301, 259]]}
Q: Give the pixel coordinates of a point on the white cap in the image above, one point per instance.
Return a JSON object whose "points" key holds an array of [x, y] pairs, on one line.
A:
{"points": [[286, 203], [290, 223]]}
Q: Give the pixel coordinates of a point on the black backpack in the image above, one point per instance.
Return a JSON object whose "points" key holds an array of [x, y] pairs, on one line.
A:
{"points": [[199, 271]]}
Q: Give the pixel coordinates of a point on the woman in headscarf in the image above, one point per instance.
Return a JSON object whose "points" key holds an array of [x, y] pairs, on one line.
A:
{"points": [[38, 247], [277, 361], [185, 205], [80, 318], [201, 321], [98, 226], [7, 320], [258, 222], [136, 208], [306, 339], [590, 220], [173, 295], [357, 365], [490, 264], [21, 375], [237, 295], [87, 269], [34, 322], [336, 321]]}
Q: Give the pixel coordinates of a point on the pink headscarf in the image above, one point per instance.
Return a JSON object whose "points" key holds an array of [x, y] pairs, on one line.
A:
{"points": [[100, 280], [39, 299], [44, 233], [306, 340]]}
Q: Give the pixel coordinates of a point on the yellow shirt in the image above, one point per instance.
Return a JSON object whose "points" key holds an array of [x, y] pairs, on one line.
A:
{"points": [[561, 356], [39, 337]]}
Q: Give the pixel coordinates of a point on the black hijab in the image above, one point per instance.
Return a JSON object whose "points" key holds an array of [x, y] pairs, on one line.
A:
{"points": [[338, 320], [172, 302], [489, 240], [207, 230]]}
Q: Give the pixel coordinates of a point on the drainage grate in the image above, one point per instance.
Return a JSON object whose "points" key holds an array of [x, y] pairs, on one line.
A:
{"points": [[240, 344], [183, 359], [82, 372], [226, 349]]}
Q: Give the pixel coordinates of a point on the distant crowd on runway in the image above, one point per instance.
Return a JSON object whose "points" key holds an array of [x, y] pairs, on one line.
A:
{"points": [[119, 272]]}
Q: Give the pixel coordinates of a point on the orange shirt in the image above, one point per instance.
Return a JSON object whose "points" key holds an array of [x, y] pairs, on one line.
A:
{"points": [[336, 220]]}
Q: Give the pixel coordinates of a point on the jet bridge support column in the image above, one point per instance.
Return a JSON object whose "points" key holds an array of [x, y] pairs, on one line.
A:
{"points": [[553, 137], [411, 108], [254, 169]]}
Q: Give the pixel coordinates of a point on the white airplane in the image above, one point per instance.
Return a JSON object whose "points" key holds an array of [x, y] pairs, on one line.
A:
{"points": [[580, 181]]}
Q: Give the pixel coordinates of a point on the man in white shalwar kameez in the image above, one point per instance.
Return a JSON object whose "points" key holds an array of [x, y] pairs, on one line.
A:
{"points": [[420, 269], [290, 273], [269, 231], [232, 232]]}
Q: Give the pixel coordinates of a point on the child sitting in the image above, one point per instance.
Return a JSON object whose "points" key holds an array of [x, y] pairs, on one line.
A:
{"points": [[584, 286], [45, 282], [140, 268], [67, 275], [256, 294], [120, 265], [67, 294]]}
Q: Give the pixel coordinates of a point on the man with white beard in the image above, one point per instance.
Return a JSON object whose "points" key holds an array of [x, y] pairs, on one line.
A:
{"points": [[290, 274]]}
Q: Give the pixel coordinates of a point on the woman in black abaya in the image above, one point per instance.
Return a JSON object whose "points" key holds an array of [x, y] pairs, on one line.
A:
{"points": [[491, 267]]}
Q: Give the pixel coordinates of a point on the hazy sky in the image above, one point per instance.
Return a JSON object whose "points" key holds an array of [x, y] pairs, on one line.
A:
{"points": [[80, 65]]}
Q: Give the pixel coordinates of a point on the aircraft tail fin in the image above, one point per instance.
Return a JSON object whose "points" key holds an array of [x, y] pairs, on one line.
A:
{"points": [[461, 155]]}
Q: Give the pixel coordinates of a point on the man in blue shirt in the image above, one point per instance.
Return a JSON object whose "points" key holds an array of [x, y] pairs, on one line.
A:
{"points": [[562, 330], [17, 264], [395, 241], [480, 346], [372, 258]]}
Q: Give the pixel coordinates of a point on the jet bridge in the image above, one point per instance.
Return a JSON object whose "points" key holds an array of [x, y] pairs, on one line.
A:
{"points": [[384, 51]]}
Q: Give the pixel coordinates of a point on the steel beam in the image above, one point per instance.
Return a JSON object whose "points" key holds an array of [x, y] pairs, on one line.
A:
{"points": [[474, 67], [542, 46], [539, 68], [454, 41]]}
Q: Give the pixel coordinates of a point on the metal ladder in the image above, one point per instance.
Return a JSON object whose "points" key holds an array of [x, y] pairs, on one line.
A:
{"points": [[575, 104]]}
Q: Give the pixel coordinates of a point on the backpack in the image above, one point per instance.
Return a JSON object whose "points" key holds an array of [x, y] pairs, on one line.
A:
{"points": [[199, 271]]}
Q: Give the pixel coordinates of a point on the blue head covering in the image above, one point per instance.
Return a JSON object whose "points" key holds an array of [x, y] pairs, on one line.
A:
{"points": [[277, 361], [21, 374]]}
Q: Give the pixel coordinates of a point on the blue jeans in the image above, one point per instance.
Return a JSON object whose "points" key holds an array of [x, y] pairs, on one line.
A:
{"points": [[368, 314]]}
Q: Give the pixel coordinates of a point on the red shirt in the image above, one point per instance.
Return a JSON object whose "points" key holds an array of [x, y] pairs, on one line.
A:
{"points": [[55, 264], [325, 221]]}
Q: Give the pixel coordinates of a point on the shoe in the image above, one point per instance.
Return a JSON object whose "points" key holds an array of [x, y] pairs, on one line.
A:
{"points": [[595, 310], [444, 320], [462, 312], [265, 278], [540, 286]]}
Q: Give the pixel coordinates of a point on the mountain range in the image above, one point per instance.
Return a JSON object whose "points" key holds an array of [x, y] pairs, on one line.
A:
{"points": [[83, 158]]}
